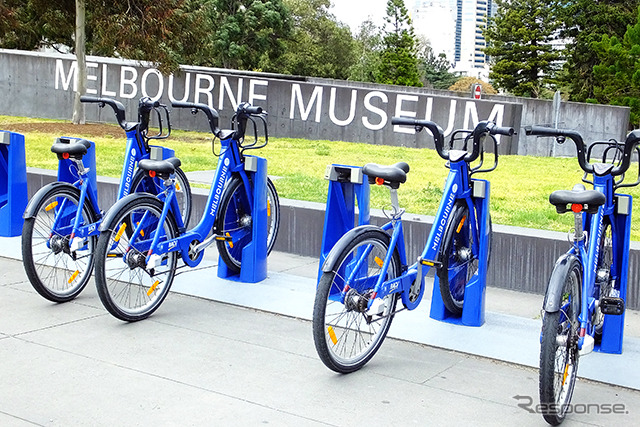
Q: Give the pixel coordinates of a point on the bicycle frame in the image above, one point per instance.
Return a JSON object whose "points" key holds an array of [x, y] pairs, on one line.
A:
{"points": [[229, 162], [457, 187]]}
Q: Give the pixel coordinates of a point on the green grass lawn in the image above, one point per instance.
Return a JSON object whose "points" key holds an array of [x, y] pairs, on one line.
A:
{"points": [[520, 186]]}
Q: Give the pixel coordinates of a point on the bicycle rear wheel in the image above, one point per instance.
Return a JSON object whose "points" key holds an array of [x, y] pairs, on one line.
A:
{"points": [[559, 350], [127, 288], [345, 337], [235, 219], [55, 271], [458, 261]]}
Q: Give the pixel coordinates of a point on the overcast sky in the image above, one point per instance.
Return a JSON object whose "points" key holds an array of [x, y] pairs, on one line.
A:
{"points": [[354, 12]]}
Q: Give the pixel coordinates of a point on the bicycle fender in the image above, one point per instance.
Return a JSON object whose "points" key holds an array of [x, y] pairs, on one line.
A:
{"points": [[114, 210], [553, 296], [334, 253], [31, 209]]}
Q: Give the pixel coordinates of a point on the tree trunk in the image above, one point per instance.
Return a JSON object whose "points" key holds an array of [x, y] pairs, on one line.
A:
{"points": [[81, 74]]}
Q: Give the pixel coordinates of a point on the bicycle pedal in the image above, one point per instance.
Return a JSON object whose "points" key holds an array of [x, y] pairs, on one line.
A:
{"points": [[430, 263], [612, 305], [587, 345], [224, 238]]}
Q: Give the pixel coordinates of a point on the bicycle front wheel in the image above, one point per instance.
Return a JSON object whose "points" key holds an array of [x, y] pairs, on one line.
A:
{"points": [[346, 336], [235, 220], [458, 261], [129, 289], [55, 271], [559, 350]]}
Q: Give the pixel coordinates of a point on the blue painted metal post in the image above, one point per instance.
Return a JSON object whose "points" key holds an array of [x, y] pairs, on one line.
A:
{"points": [[473, 309], [13, 183], [346, 187], [613, 328], [253, 268]]}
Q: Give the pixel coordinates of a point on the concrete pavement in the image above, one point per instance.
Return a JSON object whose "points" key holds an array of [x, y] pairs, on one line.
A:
{"points": [[198, 361]]}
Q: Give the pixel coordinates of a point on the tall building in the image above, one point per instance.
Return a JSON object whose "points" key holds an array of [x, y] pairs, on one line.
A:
{"points": [[455, 28]]}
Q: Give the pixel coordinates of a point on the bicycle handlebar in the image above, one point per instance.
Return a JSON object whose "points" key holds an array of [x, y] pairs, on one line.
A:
{"points": [[633, 138], [212, 114], [117, 106], [479, 132]]}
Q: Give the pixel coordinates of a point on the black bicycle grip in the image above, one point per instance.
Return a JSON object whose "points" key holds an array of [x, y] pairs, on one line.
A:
{"points": [[251, 109], [501, 130], [86, 98], [211, 113], [404, 121]]}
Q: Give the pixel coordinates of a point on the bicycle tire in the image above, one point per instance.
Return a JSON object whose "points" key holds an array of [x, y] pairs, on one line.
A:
{"points": [[54, 271], [559, 354], [234, 220], [126, 288], [344, 339], [155, 186], [458, 263]]}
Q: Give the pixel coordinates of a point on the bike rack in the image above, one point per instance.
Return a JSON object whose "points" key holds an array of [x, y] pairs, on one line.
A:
{"points": [[346, 187], [613, 328], [254, 255], [13, 183], [473, 309]]}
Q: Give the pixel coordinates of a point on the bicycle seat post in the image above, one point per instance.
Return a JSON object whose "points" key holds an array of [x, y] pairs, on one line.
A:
{"points": [[394, 203], [579, 232]]}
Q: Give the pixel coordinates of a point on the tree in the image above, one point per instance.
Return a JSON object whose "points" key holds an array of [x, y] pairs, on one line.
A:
{"points": [[585, 22], [519, 42], [617, 74], [368, 45], [246, 34], [319, 46], [78, 108], [434, 70], [398, 62]]}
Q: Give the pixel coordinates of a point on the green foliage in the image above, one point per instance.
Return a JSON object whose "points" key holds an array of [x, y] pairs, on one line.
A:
{"points": [[518, 42], [617, 74], [245, 34], [434, 69], [398, 61], [368, 43], [319, 46], [585, 22]]}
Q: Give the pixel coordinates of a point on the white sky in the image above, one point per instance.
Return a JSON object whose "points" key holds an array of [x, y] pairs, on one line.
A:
{"points": [[354, 12]]}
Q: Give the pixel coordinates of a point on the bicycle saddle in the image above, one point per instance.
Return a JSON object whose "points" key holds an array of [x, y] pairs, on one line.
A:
{"points": [[589, 199], [392, 176], [66, 148], [161, 168]]}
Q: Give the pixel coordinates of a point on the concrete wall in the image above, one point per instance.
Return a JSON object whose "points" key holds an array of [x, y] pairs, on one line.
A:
{"points": [[41, 85], [521, 259]]}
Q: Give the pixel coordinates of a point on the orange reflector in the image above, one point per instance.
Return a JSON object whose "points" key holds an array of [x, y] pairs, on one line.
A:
{"points": [[566, 372], [379, 181], [73, 276], [461, 224], [332, 335], [230, 241], [177, 186], [141, 231], [268, 208], [153, 288], [120, 231], [51, 206], [378, 261], [576, 207]]}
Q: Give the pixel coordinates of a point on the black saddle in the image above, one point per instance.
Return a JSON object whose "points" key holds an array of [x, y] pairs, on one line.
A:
{"points": [[391, 176], [70, 148], [590, 200], [160, 168]]}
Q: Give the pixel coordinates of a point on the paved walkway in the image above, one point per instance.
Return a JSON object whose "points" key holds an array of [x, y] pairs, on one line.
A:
{"points": [[197, 361]]}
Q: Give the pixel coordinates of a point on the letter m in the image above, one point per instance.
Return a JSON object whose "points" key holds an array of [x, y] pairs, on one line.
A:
{"points": [[66, 80], [316, 98]]}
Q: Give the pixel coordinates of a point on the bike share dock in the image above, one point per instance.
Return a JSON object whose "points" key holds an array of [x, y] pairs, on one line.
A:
{"points": [[507, 335]]}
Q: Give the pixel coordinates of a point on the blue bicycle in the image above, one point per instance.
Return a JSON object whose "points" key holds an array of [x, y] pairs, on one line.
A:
{"points": [[588, 283], [366, 272], [60, 230], [135, 271]]}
